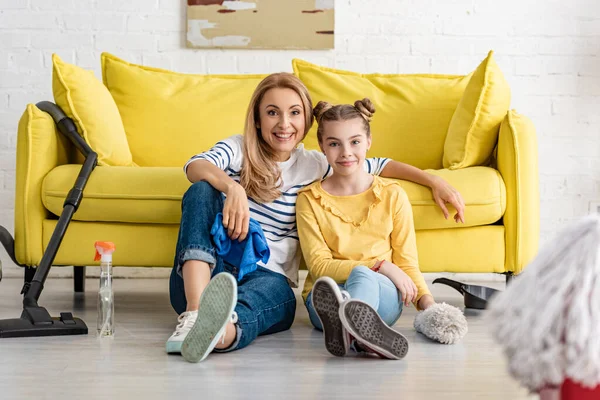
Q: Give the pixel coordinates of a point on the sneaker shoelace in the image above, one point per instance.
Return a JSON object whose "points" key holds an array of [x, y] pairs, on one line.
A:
{"points": [[186, 321]]}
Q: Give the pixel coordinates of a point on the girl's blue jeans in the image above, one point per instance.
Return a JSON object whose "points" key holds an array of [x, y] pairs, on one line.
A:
{"points": [[373, 288]]}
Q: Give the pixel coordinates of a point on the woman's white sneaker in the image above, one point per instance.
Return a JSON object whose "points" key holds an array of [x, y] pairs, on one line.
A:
{"points": [[185, 322], [214, 313]]}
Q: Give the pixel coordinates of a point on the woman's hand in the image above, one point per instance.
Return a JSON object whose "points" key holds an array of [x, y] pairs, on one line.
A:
{"points": [[401, 280], [236, 212], [444, 193]]}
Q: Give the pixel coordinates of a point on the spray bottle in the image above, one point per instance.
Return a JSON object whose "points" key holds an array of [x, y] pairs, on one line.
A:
{"points": [[106, 304]]}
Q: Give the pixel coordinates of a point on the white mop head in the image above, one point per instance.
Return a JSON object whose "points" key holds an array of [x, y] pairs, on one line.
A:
{"points": [[442, 322], [548, 319]]}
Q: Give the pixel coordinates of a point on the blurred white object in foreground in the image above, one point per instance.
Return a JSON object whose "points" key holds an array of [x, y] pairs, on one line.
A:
{"points": [[548, 319]]}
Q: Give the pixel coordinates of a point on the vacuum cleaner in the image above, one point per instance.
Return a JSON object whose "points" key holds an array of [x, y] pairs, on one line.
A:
{"points": [[35, 320]]}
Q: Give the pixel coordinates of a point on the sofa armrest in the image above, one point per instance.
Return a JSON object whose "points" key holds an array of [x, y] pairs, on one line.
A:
{"points": [[518, 165], [40, 148]]}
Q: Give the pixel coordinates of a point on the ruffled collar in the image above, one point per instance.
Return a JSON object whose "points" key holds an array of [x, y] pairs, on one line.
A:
{"points": [[327, 200]]}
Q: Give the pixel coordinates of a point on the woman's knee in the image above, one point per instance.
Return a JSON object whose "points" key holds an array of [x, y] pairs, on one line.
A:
{"points": [[200, 190], [201, 199]]}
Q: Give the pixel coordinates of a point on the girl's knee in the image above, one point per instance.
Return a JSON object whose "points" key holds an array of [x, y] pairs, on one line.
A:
{"points": [[392, 316], [362, 273], [362, 284]]}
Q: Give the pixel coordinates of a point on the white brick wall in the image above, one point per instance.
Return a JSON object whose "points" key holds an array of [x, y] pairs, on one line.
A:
{"points": [[549, 52]]}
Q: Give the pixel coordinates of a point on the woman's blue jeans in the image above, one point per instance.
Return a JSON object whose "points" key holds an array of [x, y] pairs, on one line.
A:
{"points": [[373, 288], [266, 303]]}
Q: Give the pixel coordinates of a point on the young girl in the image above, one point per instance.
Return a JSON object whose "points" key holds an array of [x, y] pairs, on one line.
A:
{"points": [[357, 230], [256, 175]]}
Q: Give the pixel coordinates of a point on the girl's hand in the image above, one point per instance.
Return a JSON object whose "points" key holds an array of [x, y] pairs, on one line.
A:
{"points": [[425, 302], [401, 280], [236, 212], [444, 193]]}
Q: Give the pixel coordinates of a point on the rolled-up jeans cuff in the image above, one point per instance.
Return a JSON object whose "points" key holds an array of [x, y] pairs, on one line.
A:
{"points": [[196, 254], [234, 345]]}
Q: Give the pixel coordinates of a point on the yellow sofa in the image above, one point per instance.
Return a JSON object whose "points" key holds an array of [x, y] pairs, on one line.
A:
{"points": [[168, 117]]}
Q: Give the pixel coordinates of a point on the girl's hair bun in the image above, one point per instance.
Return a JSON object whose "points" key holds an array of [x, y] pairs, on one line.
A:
{"points": [[321, 108], [365, 108]]}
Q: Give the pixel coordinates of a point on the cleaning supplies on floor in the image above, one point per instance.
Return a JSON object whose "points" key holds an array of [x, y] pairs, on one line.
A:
{"points": [[442, 323], [475, 296], [106, 304], [548, 319], [244, 254]]}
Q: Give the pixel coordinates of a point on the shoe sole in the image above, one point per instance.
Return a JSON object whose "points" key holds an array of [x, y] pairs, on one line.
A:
{"points": [[326, 301], [173, 347], [216, 307], [367, 327]]}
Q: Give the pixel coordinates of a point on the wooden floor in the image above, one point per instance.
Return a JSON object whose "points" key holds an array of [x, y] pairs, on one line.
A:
{"points": [[288, 365]]}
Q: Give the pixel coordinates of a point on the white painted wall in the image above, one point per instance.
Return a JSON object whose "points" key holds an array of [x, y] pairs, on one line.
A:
{"points": [[548, 50]]}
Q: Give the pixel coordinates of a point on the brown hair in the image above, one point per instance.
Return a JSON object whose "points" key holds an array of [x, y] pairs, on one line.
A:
{"points": [[362, 109], [260, 175]]}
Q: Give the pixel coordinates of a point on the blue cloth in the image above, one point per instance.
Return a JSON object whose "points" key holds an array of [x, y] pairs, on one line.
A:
{"points": [[244, 254], [266, 303]]}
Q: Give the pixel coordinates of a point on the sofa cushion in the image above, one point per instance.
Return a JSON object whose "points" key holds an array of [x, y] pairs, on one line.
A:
{"points": [[89, 104], [120, 194], [413, 112], [168, 116], [482, 189], [474, 128], [153, 195]]}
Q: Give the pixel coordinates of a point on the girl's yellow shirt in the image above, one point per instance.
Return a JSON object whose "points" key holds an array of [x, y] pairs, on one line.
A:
{"points": [[338, 233]]}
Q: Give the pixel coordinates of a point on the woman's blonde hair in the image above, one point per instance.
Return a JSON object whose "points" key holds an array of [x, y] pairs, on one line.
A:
{"points": [[260, 175], [362, 109]]}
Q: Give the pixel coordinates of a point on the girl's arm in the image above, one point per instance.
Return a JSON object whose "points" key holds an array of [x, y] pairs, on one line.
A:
{"points": [[404, 245], [317, 255], [443, 192]]}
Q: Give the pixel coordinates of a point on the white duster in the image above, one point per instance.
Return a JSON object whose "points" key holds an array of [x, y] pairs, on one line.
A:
{"points": [[442, 322], [548, 319]]}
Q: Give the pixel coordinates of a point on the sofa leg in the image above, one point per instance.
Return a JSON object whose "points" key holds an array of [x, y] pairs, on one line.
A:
{"points": [[79, 279], [509, 278]]}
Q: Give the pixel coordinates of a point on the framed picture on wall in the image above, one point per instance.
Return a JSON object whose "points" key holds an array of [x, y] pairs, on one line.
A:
{"points": [[260, 24]]}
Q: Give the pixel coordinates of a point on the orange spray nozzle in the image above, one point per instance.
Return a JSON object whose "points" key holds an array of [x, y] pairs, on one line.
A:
{"points": [[103, 248]]}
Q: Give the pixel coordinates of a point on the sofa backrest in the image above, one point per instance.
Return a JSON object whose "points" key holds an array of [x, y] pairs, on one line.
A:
{"points": [[412, 114], [169, 117]]}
